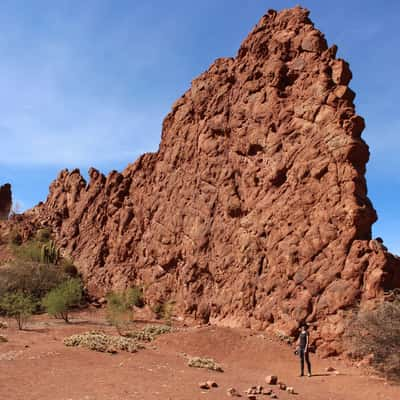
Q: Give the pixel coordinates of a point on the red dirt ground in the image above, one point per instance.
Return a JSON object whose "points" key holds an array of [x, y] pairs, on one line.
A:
{"points": [[35, 365]]}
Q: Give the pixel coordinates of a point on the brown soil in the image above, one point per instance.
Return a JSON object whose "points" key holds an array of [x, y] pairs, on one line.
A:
{"points": [[35, 364]]}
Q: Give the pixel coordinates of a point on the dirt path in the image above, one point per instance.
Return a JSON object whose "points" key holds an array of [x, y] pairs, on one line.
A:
{"points": [[36, 365]]}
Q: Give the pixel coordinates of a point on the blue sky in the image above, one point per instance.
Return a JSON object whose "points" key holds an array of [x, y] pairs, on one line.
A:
{"points": [[87, 83]]}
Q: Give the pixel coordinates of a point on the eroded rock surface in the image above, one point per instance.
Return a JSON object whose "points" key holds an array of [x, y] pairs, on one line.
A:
{"points": [[5, 201], [254, 211]]}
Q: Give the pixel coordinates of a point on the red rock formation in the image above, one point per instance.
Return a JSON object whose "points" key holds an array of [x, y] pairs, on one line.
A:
{"points": [[254, 211], [5, 201]]}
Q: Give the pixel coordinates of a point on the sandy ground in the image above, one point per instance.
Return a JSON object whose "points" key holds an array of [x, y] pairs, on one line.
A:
{"points": [[34, 364]]}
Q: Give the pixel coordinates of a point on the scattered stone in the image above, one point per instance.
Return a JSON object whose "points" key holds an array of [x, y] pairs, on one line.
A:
{"points": [[252, 397], [254, 390], [204, 385], [273, 395], [271, 379], [330, 369], [290, 390], [212, 384], [232, 392]]}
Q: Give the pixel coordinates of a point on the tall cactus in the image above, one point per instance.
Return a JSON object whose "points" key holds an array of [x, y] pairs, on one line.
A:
{"points": [[49, 253]]}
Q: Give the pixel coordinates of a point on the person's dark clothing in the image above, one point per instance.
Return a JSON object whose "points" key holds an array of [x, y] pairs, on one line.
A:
{"points": [[303, 344], [304, 356], [303, 340]]}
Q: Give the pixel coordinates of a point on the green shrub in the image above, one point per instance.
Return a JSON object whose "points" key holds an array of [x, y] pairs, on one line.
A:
{"points": [[99, 341], [119, 311], [19, 306], [28, 251], [61, 299], [36, 250], [376, 334]]}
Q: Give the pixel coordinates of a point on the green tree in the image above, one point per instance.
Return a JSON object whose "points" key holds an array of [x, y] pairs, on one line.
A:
{"points": [[119, 309], [19, 306], [59, 301]]}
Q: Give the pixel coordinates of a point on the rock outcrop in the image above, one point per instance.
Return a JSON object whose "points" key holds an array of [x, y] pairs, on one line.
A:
{"points": [[5, 201], [254, 211]]}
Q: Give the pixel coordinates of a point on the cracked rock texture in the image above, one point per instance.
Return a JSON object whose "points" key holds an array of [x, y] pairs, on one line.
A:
{"points": [[5, 201], [254, 211]]}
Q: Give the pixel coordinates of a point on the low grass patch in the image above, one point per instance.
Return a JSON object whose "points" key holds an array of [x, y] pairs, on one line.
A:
{"points": [[149, 333], [207, 363], [99, 341]]}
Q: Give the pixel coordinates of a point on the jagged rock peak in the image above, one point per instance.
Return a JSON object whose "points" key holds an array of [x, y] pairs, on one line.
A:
{"points": [[254, 212], [5, 201]]}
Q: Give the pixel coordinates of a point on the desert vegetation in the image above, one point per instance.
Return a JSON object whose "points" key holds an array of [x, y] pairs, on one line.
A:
{"points": [[19, 306], [99, 341], [374, 335], [37, 278], [59, 301], [207, 363]]}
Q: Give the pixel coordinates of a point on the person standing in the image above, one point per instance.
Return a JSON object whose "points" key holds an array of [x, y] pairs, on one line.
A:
{"points": [[303, 349]]}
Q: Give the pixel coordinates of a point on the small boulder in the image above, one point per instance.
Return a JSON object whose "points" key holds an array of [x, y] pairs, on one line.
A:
{"points": [[232, 392], [282, 386], [254, 390], [330, 369], [212, 384], [204, 385], [3, 339], [271, 379], [290, 390]]}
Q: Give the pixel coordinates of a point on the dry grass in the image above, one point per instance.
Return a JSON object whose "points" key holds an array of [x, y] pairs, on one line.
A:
{"points": [[99, 341], [376, 334]]}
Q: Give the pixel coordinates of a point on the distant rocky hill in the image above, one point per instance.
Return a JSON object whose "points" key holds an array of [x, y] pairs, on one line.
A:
{"points": [[254, 211], [5, 201]]}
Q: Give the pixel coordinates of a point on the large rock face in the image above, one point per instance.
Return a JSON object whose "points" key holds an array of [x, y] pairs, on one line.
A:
{"points": [[5, 201], [254, 211]]}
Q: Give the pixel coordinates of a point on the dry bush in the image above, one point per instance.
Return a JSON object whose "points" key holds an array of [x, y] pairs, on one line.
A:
{"points": [[207, 363], [376, 334], [30, 278], [149, 333], [99, 341]]}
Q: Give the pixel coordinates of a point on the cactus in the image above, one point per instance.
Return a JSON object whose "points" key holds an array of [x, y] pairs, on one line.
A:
{"points": [[49, 254]]}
